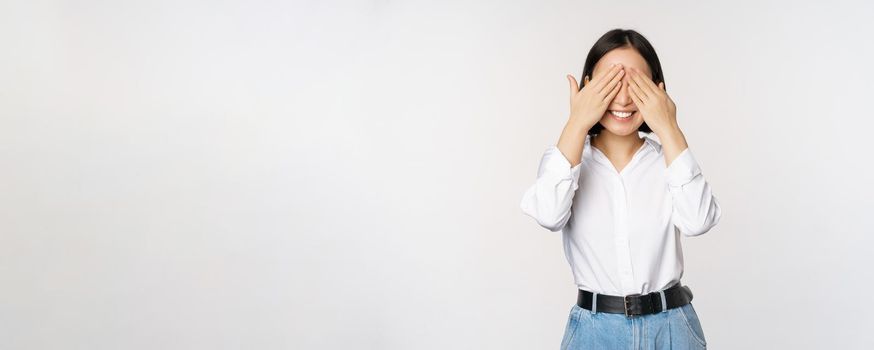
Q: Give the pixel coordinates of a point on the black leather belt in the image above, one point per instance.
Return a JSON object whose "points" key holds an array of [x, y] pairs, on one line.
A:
{"points": [[637, 304]]}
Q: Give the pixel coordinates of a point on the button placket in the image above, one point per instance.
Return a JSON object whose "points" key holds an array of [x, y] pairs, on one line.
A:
{"points": [[623, 248]]}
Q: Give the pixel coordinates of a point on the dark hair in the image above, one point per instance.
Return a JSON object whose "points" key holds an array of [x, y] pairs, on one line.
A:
{"points": [[618, 38]]}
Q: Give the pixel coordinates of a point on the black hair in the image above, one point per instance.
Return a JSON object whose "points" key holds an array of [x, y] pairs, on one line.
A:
{"points": [[618, 38]]}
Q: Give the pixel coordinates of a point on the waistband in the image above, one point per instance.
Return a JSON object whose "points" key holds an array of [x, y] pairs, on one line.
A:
{"points": [[636, 304]]}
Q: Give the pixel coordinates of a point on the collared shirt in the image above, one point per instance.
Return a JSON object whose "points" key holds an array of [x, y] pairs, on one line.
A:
{"points": [[621, 230]]}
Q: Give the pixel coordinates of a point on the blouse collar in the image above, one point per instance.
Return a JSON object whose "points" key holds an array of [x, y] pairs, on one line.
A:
{"points": [[648, 144]]}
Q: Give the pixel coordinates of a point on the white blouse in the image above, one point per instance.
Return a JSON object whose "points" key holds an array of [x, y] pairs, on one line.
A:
{"points": [[621, 230]]}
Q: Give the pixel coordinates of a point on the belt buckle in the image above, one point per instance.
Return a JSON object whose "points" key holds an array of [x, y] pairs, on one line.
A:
{"points": [[627, 310]]}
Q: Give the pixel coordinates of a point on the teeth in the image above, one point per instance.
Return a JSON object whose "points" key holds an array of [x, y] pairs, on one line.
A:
{"points": [[622, 114]]}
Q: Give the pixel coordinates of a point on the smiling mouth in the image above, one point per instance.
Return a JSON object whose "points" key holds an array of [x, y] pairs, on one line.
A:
{"points": [[622, 115]]}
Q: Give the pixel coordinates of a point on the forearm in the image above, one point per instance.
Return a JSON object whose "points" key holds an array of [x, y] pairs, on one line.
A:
{"points": [[572, 140], [673, 143]]}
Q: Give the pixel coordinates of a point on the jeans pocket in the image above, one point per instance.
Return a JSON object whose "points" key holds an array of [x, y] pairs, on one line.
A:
{"points": [[693, 323], [570, 329]]}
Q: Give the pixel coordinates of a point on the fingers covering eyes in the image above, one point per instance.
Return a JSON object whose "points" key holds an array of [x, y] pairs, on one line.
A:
{"points": [[613, 92], [601, 81], [616, 81], [646, 86], [633, 92]]}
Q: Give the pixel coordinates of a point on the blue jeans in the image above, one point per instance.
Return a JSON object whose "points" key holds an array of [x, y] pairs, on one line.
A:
{"points": [[677, 328]]}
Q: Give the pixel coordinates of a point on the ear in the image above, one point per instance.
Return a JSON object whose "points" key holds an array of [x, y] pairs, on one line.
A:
{"points": [[662, 85], [586, 80]]}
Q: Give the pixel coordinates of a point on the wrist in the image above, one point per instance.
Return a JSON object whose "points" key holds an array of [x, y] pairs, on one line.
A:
{"points": [[669, 133], [578, 126], [667, 128]]}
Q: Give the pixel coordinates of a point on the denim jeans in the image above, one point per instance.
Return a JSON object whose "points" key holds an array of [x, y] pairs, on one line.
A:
{"points": [[677, 328]]}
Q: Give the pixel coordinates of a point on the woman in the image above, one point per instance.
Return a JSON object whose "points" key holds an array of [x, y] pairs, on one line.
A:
{"points": [[622, 202]]}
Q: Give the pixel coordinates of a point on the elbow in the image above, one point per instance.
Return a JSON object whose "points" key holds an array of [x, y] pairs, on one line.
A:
{"points": [[693, 231], [692, 228], [552, 220], [554, 224], [550, 203]]}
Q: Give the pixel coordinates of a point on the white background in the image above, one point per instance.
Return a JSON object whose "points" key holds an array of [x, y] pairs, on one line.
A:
{"points": [[331, 175]]}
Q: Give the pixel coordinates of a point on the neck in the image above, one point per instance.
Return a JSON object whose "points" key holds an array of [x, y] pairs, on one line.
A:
{"points": [[618, 146]]}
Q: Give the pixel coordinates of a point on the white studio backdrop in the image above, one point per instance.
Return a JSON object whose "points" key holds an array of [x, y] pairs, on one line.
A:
{"points": [[332, 175]]}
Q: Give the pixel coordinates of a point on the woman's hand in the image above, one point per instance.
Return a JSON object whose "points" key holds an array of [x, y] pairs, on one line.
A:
{"points": [[656, 107], [589, 103]]}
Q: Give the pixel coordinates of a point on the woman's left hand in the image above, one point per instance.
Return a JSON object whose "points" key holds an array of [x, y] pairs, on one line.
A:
{"points": [[656, 107]]}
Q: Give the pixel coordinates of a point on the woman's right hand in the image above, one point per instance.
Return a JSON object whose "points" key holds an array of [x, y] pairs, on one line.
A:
{"points": [[589, 103]]}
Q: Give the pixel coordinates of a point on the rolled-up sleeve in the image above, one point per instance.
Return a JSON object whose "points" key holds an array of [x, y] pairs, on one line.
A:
{"points": [[695, 208], [549, 199]]}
